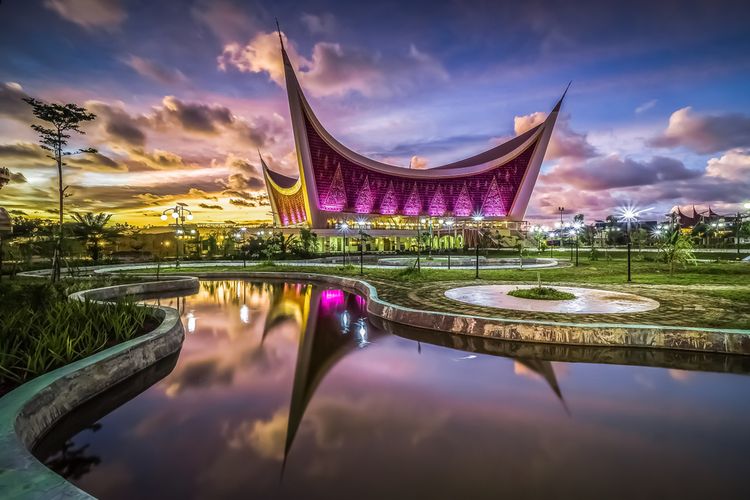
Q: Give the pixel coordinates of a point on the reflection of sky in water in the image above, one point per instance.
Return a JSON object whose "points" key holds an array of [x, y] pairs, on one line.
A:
{"points": [[379, 416]]}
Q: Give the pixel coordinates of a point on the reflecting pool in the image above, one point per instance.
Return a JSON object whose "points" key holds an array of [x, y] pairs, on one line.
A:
{"points": [[288, 390]]}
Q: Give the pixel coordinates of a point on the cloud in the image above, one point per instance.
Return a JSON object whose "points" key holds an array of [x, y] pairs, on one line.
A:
{"points": [[155, 71], [241, 182], [210, 207], [118, 126], [23, 152], [225, 20], [704, 133], [613, 171], [18, 178], [238, 202], [105, 14], [214, 119], [646, 106], [157, 159], [94, 162], [564, 142], [333, 69], [199, 193], [11, 102], [319, 24], [418, 162], [266, 437], [194, 117], [597, 186], [733, 165]]}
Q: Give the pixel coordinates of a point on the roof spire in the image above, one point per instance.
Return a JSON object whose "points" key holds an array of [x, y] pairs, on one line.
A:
{"points": [[559, 103], [278, 30]]}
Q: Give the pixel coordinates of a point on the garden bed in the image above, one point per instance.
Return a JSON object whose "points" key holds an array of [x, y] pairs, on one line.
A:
{"points": [[42, 329], [541, 293]]}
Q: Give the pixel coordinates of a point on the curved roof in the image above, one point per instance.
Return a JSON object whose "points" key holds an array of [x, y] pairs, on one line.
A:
{"points": [[281, 180], [475, 164]]}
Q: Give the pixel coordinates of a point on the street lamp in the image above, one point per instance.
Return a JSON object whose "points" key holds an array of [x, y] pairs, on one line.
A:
{"points": [[361, 223], [450, 223], [344, 228], [477, 219], [740, 218], [576, 230], [628, 215], [419, 242], [179, 213]]}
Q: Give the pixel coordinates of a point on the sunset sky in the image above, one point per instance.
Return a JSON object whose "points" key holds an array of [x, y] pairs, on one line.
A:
{"points": [[186, 92]]}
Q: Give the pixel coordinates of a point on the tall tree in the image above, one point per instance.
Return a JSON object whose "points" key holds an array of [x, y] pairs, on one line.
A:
{"points": [[63, 118], [92, 229]]}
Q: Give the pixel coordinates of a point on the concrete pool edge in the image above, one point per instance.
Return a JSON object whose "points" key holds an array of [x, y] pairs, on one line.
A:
{"points": [[30, 410], [716, 340]]}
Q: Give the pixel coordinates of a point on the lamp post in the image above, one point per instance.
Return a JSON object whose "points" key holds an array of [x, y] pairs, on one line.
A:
{"points": [[477, 220], [450, 223], [344, 228], [179, 213], [419, 241], [240, 237], [740, 218], [576, 230], [628, 215], [361, 223]]}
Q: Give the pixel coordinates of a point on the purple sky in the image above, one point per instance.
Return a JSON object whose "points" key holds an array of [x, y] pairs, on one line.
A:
{"points": [[187, 91]]}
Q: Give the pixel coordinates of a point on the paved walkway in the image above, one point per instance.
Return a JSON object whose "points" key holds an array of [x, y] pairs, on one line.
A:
{"points": [[586, 301]]}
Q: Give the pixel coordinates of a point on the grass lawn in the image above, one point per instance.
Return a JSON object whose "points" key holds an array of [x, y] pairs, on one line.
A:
{"points": [[41, 329]]}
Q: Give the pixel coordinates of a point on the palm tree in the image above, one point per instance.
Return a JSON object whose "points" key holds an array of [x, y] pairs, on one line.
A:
{"points": [[677, 249], [91, 229]]}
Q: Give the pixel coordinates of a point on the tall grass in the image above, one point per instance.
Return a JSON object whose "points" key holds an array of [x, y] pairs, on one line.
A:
{"points": [[41, 329]]}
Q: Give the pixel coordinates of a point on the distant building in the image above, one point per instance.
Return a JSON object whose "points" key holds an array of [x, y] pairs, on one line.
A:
{"points": [[689, 221]]}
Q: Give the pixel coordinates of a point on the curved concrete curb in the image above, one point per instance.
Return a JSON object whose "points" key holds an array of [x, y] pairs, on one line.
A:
{"points": [[727, 341], [545, 263], [27, 412]]}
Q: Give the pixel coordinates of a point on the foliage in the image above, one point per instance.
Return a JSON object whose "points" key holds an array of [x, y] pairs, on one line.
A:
{"points": [[638, 237], [677, 248], [63, 118], [541, 293], [41, 329], [91, 229], [305, 245], [284, 243], [594, 253]]}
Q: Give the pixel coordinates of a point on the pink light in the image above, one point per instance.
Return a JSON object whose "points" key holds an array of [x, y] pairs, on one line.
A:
{"points": [[331, 299], [413, 204], [389, 205], [361, 302], [463, 206], [437, 204]]}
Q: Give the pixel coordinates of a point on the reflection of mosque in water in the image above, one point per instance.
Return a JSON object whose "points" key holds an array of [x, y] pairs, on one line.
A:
{"points": [[332, 323]]}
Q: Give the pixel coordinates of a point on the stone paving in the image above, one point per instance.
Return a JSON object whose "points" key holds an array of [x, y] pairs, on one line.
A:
{"points": [[693, 306]]}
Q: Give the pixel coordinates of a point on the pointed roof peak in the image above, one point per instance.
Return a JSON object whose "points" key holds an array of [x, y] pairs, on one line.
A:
{"points": [[278, 30], [556, 109]]}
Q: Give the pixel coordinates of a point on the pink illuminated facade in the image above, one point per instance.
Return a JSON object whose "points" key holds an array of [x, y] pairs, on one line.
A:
{"points": [[336, 183]]}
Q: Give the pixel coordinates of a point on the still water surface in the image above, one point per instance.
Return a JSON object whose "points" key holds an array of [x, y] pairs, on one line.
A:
{"points": [[287, 390]]}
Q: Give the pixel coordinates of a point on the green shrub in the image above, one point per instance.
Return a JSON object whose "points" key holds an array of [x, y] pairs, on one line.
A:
{"points": [[41, 329], [541, 293]]}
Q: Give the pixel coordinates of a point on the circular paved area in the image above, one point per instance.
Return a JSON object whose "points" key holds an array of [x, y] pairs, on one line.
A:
{"points": [[587, 301]]}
